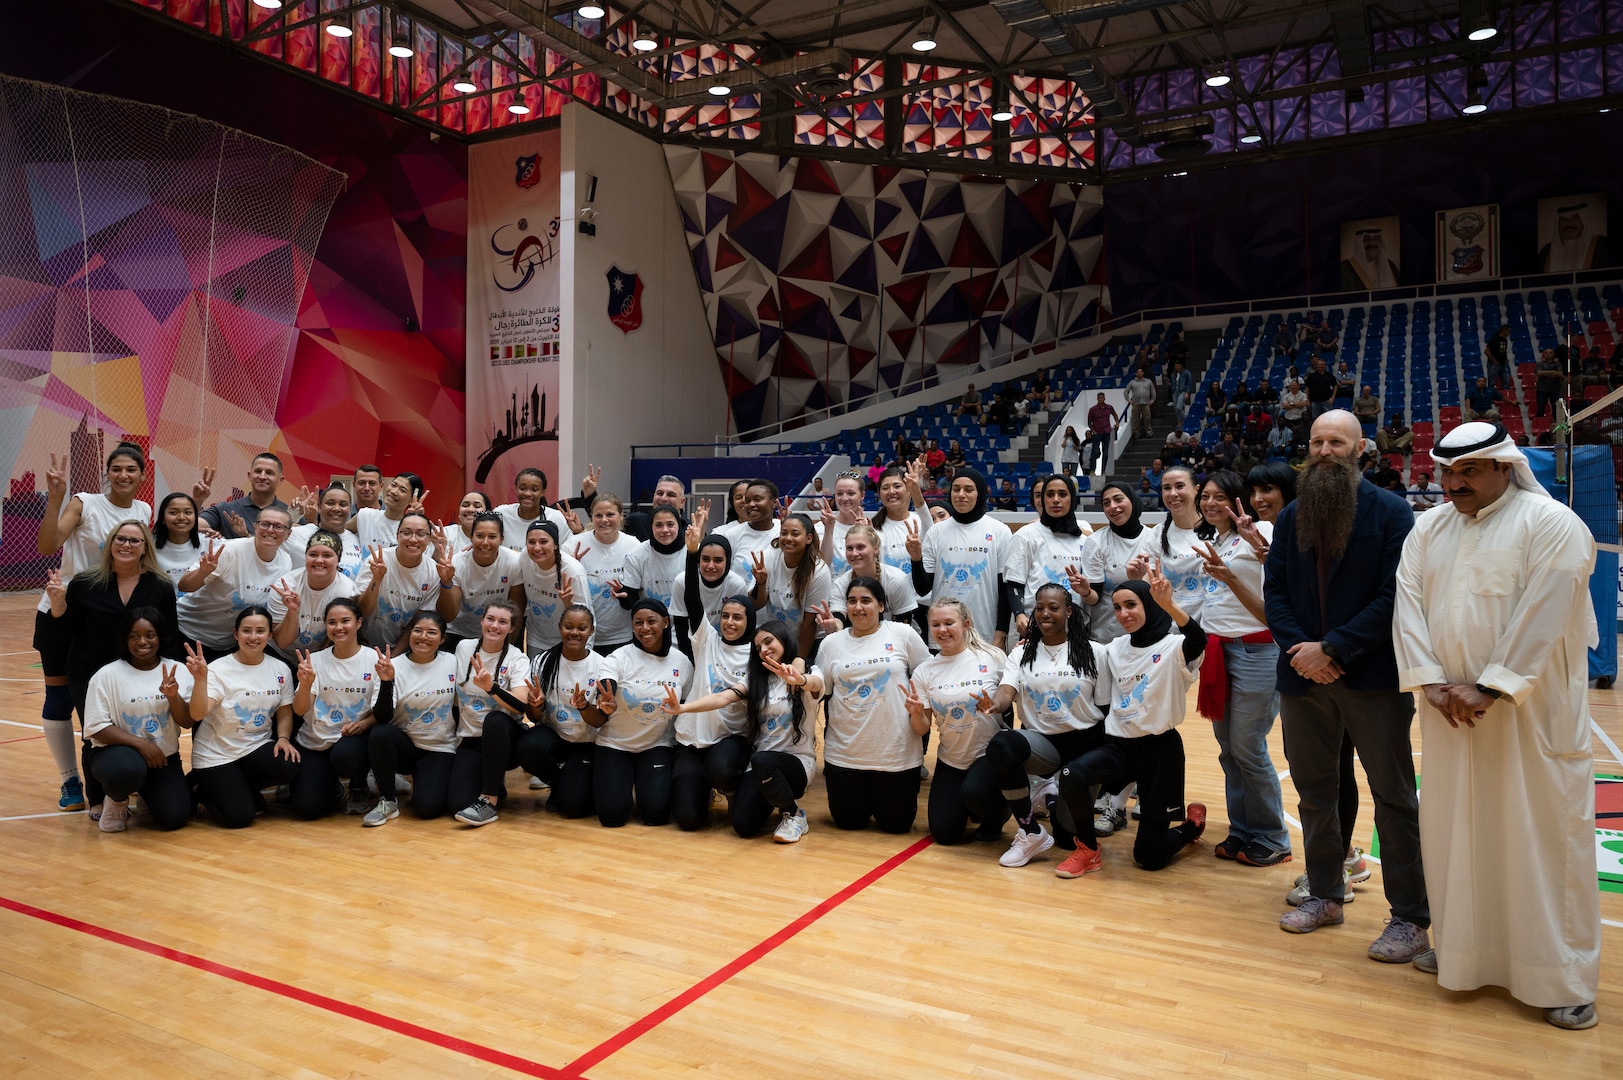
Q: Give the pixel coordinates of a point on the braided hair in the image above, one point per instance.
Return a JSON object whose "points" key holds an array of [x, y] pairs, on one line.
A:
{"points": [[1079, 648]]}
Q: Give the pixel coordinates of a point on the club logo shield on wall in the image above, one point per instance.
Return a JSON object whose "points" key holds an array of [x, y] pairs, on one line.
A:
{"points": [[527, 171], [625, 299]]}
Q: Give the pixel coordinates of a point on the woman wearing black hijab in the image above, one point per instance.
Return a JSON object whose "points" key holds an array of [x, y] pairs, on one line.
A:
{"points": [[711, 567], [1044, 551], [962, 558], [1149, 671], [1106, 554]]}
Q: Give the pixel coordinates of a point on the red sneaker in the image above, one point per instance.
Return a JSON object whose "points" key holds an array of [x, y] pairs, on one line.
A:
{"points": [[1084, 860]]}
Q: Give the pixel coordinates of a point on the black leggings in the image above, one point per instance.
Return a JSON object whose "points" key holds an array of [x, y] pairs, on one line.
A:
{"points": [[956, 795], [566, 766], [774, 782], [121, 771], [1347, 793], [320, 771], [856, 796], [482, 761], [1156, 762], [696, 772], [231, 791], [1017, 754], [392, 751], [617, 774]]}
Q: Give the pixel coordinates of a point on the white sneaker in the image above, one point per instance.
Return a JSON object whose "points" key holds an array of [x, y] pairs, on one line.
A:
{"points": [[538, 784], [1357, 869], [384, 812], [1299, 891], [1042, 790], [791, 828], [115, 816], [1026, 846]]}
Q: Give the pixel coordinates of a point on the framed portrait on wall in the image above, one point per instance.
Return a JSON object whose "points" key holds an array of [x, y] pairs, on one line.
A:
{"points": [[1572, 233], [1468, 243], [1369, 254]]}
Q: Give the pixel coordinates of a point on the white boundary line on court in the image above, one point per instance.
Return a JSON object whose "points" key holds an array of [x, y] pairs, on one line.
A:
{"points": [[19, 723], [29, 817]]}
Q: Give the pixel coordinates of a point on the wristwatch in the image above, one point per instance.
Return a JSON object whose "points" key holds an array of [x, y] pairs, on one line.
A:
{"points": [[1489, 691]]}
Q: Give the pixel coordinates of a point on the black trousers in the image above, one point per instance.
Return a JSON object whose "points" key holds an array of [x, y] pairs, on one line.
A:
{"points": [[321, 770], [957, 795], [230, 791], [566, 766], [697, 772], [122, 771], [392, 751], [857, 796], [482, 762], [1156, 762], [620, 778], [774, 781]]}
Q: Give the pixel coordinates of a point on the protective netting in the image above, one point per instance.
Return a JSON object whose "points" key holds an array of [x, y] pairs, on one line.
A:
{"points": [[151, 267]]}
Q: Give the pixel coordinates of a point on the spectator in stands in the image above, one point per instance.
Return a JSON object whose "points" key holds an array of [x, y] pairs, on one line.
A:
{"points": [[1496, 357], [1387, 474], [1310, 326], [1141, 396], [1215, 398], [1179, 445], [1245, 461], [1039, 391], [876, 470], [1233, 418], [1551, 380], [998, 413], [970, 404], [1241, 398], [1281, 439], [1178, 351], [1101, 421], [1293, 402], [1325, 340], [1227, 450], [1321, 389], [1148, 496], [1258, 423], [1345, 382], [1367, 407], [1070, 452], [1481, 403], [933, 489], [935, 458], [1153, 474], [955, 456], [1180, 389], [1593, 368], [1007, 497], [1266, 396], [905, 450], [1395, 437], [1427, 493], [1285, 341]]}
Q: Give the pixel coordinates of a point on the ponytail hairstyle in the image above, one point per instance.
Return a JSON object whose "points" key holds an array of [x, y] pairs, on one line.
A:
{"points": [[972, 641], [557, 548], [802, 579], [547, 666], [424, 615], [878, 520], [512, 616], [349, 602], [869, 533], [412, 480], [759, 681], [1166, 526], [131, 451], [1079, 648]]}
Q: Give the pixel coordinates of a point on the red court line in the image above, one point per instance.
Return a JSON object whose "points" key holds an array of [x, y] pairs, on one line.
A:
{"points": [[259, 982], [25, 738], [637, 1030]]}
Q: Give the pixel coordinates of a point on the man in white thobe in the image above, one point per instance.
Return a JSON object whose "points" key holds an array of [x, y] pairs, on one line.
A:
{"points": [[1491, 625]]}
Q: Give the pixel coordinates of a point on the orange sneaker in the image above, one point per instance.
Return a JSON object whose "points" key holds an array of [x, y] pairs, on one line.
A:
{"points": [[1084, 860]]}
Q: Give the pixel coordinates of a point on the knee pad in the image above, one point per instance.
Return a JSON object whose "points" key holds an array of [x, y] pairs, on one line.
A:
{"points": [[58, 704]]}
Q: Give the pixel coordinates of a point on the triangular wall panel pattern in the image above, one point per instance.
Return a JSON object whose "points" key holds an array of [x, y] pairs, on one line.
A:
{"points": [[828, 282]]}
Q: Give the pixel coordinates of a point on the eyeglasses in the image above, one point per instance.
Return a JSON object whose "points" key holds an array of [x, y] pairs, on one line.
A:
{"points": [[129, 541], [271, 527]]}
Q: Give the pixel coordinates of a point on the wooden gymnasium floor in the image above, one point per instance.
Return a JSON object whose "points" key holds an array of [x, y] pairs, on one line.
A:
{"points": [[551, 948]]}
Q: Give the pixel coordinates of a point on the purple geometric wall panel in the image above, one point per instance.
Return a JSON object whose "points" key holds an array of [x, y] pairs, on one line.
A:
{"points": [[827, 282]]}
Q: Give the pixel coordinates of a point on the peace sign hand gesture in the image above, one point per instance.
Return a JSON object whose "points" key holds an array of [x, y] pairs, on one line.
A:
{"points": [[238, 523], [209, 560], [566, 592], [533, 695], [482, 677], [385, 665], [617, 589], [196, 666], [571, 518], [307, 672], [578, 699], [825, 512], [792, 676], [1246, 526], [1160, 587], [169, 686], [915, 546], [288, 597], [56, 477], [915, 704], [1079, 583], [672, 703], [605, 700], [202, 486], [377, 565], [1212, 563], [826, 622], [580, 551], [758, 567], [588, 483], [985, 703]]}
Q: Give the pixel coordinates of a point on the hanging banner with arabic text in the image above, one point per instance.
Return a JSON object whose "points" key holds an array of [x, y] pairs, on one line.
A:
{"points": [[513, 316]]}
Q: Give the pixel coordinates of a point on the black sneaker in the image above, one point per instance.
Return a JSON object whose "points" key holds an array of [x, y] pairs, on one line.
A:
{"points": [[1228, 848], [1257, 853]]}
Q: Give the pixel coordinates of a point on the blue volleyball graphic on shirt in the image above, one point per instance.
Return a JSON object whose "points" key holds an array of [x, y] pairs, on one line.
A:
{"points": [[867, 690], [1136, 695]]}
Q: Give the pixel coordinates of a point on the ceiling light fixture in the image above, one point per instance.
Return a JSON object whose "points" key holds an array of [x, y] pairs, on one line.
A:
{"points": [[720, 90], [926, 42], [590, 11], [464, 84], [339, 29], [645, 41], [1003, 115], [400, 47], [1482, 28], [1251, 136], [1473, 104], [274, 5], [1218, 78], [519, 107]]}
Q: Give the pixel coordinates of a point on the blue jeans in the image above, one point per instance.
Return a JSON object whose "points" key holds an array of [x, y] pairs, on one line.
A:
{"points": [[1250, 781]]}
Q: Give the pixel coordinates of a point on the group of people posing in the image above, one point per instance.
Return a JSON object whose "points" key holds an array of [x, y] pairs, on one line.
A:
{"points": [[638, 665]]}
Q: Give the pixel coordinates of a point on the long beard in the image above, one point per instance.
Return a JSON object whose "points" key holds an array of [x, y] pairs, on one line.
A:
{"points": [[1326, 504]]}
